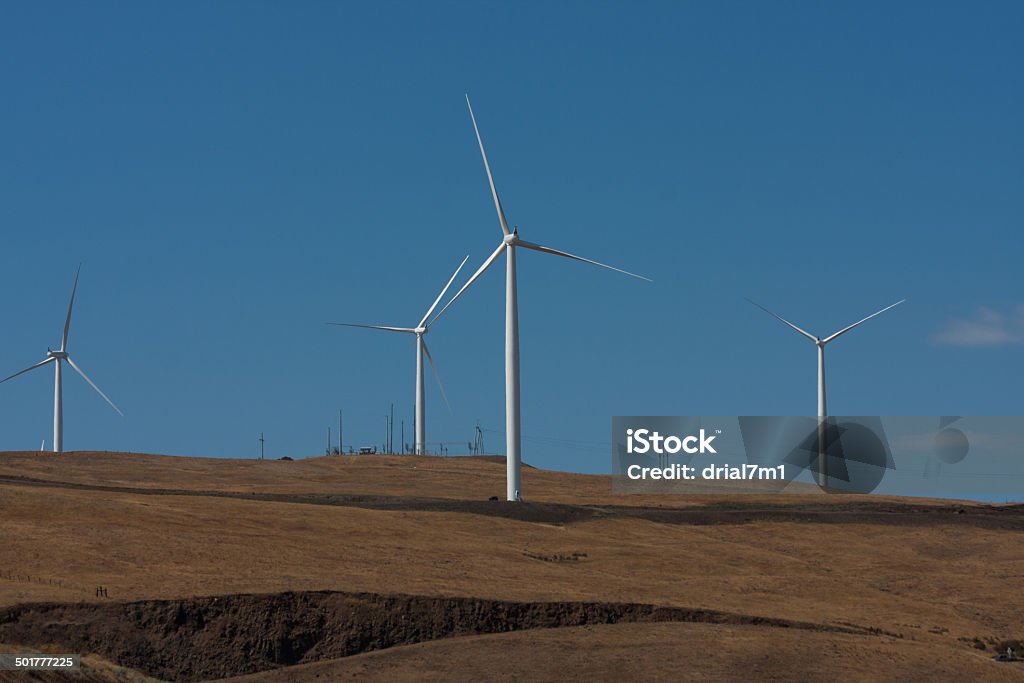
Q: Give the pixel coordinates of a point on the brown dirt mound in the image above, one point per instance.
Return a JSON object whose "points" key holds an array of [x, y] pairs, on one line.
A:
{"points": [[215, 637]]}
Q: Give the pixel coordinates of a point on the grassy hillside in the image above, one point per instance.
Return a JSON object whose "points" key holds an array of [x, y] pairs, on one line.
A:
{"points": [[933, 575]]}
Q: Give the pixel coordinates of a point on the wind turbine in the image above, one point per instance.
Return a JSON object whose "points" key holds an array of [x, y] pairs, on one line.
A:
{"points": [[822, 410], [421, 350], [57, 357], [510, 241]]}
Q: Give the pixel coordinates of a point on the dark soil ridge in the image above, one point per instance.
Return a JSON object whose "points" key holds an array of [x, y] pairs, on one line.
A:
{"points": [[1001, 517], [206, 638]]}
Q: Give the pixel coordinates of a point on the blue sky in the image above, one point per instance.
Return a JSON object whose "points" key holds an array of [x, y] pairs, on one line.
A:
{"points": [[234, 175]]}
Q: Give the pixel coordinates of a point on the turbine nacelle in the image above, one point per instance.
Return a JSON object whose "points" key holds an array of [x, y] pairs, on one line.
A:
{"points": [[59, 355], [512, 239], [420, 331]]}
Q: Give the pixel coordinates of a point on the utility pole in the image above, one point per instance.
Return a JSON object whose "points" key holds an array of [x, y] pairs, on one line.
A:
{"points": [[392, 437], [477, 447], [341, 441], [261, 445], [328, 441], [403, 437]]}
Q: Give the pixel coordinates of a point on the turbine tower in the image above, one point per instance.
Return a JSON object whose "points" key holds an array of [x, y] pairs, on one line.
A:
{"points": [[421, 350], [58, 357], [510, 241], [822, 409]]}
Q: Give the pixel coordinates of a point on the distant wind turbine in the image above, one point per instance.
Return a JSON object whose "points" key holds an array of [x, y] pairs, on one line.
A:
{"points": [[421, 350], [57, 357], [511, 240], [822, 410]]}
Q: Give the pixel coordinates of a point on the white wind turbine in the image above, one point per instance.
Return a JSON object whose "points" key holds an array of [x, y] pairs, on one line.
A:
{"points": [[822, 409], [511, 240], [57, 357], [421, 349]]}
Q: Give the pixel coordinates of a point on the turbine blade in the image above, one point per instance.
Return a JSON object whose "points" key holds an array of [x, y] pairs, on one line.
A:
{"points": [[779, 317], [439, 296], [556, 252], [67, 323], [437, 375], [376, 327], [850, 327], [490, 179], [93, 385], [37, 365], [479, 271]]}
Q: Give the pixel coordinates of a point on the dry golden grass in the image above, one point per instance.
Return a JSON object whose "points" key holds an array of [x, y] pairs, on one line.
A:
{"points": [[938, 586], [394, 475], [654, 652]]}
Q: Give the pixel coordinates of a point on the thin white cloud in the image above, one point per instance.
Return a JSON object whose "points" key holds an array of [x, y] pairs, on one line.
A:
{"points": [[987, 328]]}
